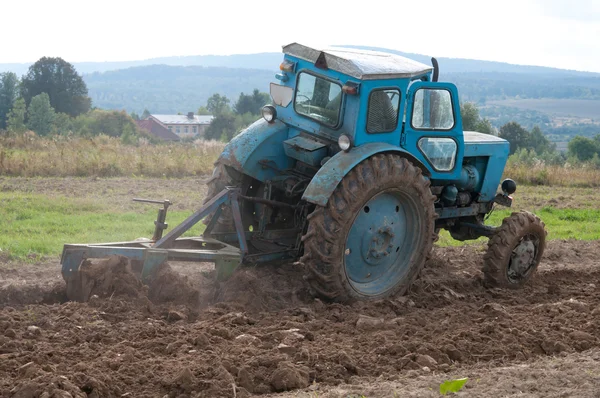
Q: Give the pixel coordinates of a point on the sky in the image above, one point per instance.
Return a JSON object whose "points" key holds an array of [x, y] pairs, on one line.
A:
{"points": [[555, 33]]}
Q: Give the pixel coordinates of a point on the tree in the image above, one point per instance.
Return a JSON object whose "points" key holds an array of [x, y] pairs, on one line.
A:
{"points": [[470, 116], [221, 127], [218, 104], [111, 123], [514, 133], [40, 115], [62, 124], [583, 148], [484, 126], [9, 86], [16, 117], [538, 141], [134, 116], [145, 114], [251, 103], [59, 79], [472, 121], [203, 111]]}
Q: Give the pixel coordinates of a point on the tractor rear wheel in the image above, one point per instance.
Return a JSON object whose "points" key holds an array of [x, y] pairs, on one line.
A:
{"points": [[515, 251], [372, 238], [220, 179]]}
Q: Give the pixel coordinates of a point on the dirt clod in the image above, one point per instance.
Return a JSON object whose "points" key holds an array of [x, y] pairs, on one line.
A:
{"points": [[288, 376], [368, 322]]}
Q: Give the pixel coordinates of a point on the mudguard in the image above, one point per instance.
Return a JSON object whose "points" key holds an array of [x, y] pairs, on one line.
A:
{"points": [[258, 150], [329, 176]]}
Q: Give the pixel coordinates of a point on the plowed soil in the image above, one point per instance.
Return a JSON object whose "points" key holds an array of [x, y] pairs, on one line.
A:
{"points": [[261, 333]]}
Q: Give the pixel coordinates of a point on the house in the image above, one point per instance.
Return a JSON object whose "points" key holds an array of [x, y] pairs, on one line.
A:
{"points": [[189, 125], [157, 129]]}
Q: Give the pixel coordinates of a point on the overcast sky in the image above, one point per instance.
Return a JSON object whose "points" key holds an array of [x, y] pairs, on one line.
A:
{"points": [[557, 33]]}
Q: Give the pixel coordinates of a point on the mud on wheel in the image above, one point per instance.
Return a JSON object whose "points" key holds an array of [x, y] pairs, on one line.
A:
{"points": [[515, 251], [373, 236]]}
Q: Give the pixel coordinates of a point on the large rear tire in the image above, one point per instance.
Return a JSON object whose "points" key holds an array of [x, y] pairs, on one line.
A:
{"points": [[220, 179], [515, 251], [372, 238]]}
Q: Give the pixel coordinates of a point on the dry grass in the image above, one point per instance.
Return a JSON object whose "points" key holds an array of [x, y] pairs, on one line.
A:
{"points": [[103, 156], [31, 156], [584, 176]]}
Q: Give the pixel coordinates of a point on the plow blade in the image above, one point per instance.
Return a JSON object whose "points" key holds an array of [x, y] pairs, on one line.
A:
{"points": [[143, 260]]}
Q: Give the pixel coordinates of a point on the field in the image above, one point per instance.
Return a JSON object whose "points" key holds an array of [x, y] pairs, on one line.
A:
{"points": [[261, 333], [561, 108]]}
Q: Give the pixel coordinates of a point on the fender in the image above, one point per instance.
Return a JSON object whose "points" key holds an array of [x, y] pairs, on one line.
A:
{"points": [[329, 176], [259, 144]]}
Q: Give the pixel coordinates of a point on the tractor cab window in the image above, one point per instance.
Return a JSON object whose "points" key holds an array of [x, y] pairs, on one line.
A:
{"points": [[318, 99], [432, 110], [382, 116], [440, 151]]}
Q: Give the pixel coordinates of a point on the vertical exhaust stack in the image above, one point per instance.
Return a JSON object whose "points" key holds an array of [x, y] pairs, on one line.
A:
{"points": [[436, 69]]}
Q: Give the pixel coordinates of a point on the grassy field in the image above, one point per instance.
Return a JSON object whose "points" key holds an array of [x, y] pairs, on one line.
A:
{"points": [[34, 225], [38, 216]]}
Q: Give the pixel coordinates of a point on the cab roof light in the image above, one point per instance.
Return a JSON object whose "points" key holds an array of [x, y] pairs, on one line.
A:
{"points": [[288, 66], [351, 88]]}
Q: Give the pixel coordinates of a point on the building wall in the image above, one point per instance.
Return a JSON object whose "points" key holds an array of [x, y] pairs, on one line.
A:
{"points": [[188, 130]]}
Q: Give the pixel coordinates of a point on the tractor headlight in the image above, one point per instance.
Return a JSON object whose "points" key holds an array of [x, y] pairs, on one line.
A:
{"points": [[344, 142], [269, 113]]}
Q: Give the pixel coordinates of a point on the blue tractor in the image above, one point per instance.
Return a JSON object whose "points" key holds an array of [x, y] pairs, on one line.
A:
{"points": [[354, 168]]}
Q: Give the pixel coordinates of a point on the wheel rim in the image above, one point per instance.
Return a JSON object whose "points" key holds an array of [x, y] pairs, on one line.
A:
{"points": [[523, 258], [382, 242]]}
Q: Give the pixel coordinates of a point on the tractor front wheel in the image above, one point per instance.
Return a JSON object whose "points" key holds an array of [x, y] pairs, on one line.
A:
{"points": [[373, 236], [514, 251]]}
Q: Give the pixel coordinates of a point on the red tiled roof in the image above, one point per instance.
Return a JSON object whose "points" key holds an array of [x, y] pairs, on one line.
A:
{"points": [[157, 129]]}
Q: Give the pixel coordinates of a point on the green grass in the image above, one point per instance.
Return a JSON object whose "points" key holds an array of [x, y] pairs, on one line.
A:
{"points": [[34, 225], [583, 224]]}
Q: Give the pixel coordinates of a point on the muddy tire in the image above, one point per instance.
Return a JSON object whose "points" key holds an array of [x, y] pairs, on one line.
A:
{"points": [[372, 238], [219, 180], [515, 251]]}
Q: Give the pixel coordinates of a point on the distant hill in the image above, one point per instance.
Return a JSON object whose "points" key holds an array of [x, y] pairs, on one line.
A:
{"points": [[270, 61], [163, 88], [171, 89]]}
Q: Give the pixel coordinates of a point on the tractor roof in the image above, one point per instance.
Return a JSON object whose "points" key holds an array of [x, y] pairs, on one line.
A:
{"points": [[361, 64]]}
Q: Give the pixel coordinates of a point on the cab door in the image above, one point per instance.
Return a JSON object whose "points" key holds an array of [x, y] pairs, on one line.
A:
{"points": [[433, 128]]}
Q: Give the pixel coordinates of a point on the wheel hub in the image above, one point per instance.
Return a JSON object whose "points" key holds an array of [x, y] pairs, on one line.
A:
{"points": [[381, 244], [522, 258]]}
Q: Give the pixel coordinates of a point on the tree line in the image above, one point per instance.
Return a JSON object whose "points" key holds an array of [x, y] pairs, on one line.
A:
{"points": [[52, 98]]}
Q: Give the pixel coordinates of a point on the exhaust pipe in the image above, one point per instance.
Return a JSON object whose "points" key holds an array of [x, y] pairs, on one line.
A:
{"points": [[436, 69]]}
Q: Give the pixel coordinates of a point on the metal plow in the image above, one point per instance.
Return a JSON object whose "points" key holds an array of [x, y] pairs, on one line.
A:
{"points": [[150, 254]]}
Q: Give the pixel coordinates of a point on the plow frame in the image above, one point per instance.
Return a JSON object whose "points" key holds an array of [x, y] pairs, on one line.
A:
{"points": [[172, 247]]}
